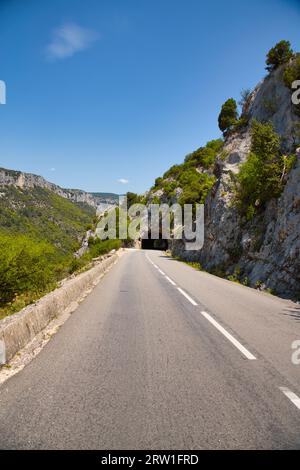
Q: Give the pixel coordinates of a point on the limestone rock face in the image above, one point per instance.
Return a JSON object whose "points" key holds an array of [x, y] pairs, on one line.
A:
{"points": [[277, 262], [271, 101], [29, 181], [265, 251]]}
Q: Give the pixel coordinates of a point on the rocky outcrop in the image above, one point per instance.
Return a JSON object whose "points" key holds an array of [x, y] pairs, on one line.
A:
{"points": [[271, 101], [263, 252]]}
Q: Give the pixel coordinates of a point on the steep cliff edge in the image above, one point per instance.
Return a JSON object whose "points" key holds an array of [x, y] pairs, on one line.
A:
{"points": [[264, 250]]}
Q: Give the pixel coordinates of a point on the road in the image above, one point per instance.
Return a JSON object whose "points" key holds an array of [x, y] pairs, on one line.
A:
{"points": [[161, 356]]}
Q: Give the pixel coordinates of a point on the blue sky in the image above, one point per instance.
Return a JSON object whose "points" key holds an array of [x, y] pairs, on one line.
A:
{"points": [[105, 95]]}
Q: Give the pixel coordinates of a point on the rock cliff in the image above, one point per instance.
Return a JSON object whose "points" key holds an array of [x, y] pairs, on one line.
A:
{"points": [[265, 251]]}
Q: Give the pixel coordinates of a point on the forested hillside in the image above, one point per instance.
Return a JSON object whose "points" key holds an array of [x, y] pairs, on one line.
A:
{"points": [[41, 214], [41, 228]]}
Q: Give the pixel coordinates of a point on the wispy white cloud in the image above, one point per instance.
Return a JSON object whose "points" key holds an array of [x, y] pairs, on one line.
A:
{"points": [[123, 181], [52, 169], [69, 39]]}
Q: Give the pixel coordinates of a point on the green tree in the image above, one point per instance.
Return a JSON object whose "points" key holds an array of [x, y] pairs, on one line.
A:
{"points": [[158, 181], [280, 54], [228, 115], [133, 198]]}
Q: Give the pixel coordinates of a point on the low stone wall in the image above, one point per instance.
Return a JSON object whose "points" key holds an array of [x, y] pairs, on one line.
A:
{"points": [[17, 330]]}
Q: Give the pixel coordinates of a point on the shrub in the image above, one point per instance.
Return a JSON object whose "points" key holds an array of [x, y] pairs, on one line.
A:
{"points": [[173, 172], [205, 156], [158, 181], [26, 266], [261, 177], [242, 122], [216, 145], [292, 72], [290, 75], [191, 176], [265, 142], [196, 187], [133, 198], [77, 264], [245, 98], [99, 247], [280, 54]]}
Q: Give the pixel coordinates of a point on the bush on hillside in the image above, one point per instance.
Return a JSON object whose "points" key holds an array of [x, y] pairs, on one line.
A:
{"points": [[205, 156], [191, 176], [99, 247], [26, 266], [245, 98], [290, 75], [292, 72], [195, 186], [262, 176]]}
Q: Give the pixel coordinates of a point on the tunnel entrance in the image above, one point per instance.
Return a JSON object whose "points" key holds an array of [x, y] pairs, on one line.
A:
{"points": [[148, 244]]}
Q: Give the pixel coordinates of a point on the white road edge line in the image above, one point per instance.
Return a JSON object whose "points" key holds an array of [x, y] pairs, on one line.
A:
{"points": [[291, 396], [170, 280], [230, 338], [187, 296], [161, 272]]}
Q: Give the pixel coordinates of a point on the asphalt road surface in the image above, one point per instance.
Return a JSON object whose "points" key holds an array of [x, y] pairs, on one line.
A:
{"points": [[160, 356]]}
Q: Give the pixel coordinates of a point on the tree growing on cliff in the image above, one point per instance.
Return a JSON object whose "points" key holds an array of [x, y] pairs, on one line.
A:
{"points": [[280, 54], [261, 177], [228, 115]]}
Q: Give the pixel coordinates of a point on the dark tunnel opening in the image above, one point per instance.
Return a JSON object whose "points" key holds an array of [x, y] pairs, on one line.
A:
{"points": [[148, 244]]}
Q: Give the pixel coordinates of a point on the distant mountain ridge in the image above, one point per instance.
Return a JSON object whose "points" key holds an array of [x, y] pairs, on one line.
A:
{"points": [[23, 180], [106, 197]]}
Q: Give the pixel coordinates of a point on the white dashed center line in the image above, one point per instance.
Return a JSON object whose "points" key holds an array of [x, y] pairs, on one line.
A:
{"points": [[291, 396], [230, 338], [187, 296], [220, 328], [170, 281]]}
